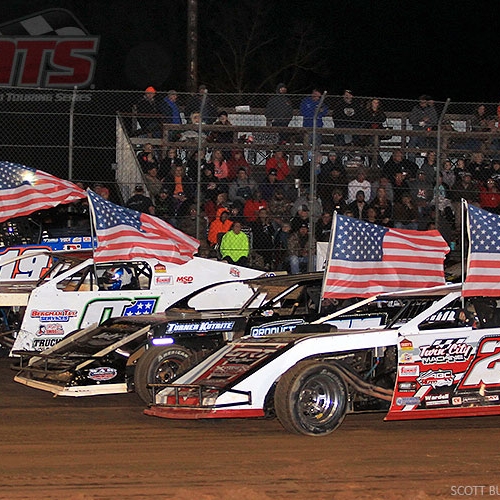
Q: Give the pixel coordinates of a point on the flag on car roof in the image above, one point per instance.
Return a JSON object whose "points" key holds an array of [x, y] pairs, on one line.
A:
{"points": [[125, 234], [24, 190], [367, 259], [483, 266]]}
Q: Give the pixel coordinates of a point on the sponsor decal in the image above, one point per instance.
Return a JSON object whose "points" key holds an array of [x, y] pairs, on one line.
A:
{"points": [[445, 351], [408, 371], [203, 326], [407, 386], [102, 373], [406, 345], [185, 279], [164, 280], [61, 315], [491, 398], [275, 327], [72, 246], [436, 378], [406, 357], [140, 307], [403, 401], [437, 402], [233, 271], [456, 400], [47, 49], [160, 268], [50, 329], [44, 343], [471, 400], [485, 367]]}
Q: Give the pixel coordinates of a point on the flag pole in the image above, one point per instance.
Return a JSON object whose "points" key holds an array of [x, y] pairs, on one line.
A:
{"points": [[93, 236], [328, 254], [462, 242]]}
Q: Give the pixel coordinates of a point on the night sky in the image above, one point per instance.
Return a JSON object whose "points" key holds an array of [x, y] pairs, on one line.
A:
{"points": [[382, 48]]}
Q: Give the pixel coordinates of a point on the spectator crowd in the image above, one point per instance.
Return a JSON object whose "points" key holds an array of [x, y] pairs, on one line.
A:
{"points": [[260, 216]]}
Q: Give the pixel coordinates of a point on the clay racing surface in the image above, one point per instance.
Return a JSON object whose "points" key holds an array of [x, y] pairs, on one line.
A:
{"points": [[105, 448]]}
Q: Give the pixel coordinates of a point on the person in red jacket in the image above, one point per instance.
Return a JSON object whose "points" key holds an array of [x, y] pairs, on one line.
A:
{"points": [[234, 163], [279, 163], [489, 196], [253, 205]]}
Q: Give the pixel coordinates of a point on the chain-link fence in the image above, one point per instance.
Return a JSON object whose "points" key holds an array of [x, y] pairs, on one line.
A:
{"points": [[314, 153]]}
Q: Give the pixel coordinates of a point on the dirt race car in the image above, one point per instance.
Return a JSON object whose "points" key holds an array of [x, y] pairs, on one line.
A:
{"points": [[444, 362], [78, 292], [133, 361]]}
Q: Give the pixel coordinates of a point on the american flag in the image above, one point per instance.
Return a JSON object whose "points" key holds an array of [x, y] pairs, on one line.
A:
{"points": [[140, 307], [483, 267], [24, 190], [124, 234], [367, 259]]}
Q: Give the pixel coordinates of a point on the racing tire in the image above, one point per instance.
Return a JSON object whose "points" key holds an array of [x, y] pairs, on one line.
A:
{"points": [[159, 365], [311, 399]]}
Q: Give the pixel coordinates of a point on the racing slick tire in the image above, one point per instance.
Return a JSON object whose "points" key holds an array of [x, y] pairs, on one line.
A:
{"points": [[159, 365], [311, 399]]}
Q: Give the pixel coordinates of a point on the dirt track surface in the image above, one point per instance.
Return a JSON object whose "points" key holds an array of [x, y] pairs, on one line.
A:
{"points": [[105, 448]]}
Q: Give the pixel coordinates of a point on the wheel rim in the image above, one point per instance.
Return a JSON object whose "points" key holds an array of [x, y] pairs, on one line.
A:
{"points": [[167, 370], [318, 401]]}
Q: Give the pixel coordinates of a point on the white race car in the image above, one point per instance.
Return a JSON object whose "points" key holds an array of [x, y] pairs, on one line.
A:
{"points": [[87, 293], [443, 362]]}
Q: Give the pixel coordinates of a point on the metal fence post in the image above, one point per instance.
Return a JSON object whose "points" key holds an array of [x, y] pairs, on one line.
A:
{"points": [[70, 132], [438, 161], [312, 185]]}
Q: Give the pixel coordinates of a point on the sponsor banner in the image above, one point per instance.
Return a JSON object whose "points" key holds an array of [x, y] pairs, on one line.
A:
{"points": [[49, 49]]}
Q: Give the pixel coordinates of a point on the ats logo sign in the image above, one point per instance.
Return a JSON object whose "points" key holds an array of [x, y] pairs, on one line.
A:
{"points": [[48, 49]]}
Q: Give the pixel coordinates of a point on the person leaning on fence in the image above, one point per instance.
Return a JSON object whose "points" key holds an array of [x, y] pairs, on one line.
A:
{"points": [[235, 246]]}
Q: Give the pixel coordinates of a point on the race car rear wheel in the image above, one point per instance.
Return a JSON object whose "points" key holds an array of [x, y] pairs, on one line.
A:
{"points": [[158, 365], [311, 399]]}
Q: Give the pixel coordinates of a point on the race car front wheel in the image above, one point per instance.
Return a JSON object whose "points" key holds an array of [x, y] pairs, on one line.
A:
{"points": [[158, 365], [311, 399]]}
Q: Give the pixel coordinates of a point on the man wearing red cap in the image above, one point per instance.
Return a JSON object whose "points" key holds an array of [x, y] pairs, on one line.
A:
{"points": [[150, 125]]}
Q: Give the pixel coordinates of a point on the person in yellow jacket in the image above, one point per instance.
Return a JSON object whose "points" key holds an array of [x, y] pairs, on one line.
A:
{"points": [[235, 247]]}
